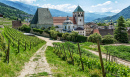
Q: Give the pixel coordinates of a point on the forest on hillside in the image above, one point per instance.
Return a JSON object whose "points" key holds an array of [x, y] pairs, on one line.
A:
{"points": [[13, 13]]}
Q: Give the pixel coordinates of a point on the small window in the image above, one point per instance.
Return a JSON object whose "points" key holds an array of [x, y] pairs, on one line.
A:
{"points": [[80, 19], [78, 15], [65, 27]]}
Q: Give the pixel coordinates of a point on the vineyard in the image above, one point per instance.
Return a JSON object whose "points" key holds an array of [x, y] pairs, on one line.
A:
{"points": [[73, 54], [19, 49], [121, 51]]}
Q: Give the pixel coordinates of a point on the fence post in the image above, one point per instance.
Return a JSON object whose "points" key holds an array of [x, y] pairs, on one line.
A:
{"points": [[109, 56], [101, 61], [80, 57], [106, 55], [7, 54]]}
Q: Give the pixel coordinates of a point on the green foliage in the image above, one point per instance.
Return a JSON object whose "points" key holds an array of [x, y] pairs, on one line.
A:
{"points": [[102, 24], [53, 34], [64, 35], [38, 30], [59, 34], [12, 13], [94, 38], [108, 39], [25, 28], [120, 34], [17, 60], [52, 28], [2, 44], [90, 61], [81, 38], [127, 22], [121, 51]]}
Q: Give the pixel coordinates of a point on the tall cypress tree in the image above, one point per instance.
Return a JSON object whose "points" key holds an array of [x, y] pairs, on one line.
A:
{"points": [[120, 33]]}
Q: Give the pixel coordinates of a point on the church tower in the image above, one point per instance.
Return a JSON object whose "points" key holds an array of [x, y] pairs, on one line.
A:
{"points": [[78, 17]]}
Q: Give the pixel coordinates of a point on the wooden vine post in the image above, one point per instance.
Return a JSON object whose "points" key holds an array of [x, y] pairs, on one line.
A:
{"points": [[80, 57], [30, 45], [7, 55], [25, 45], [65, 52], [18, 46], [101, 61], [71, 55]]}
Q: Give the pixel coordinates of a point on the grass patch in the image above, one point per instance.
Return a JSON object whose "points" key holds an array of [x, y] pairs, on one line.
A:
{"points": [[39, 74], [35, 59]]}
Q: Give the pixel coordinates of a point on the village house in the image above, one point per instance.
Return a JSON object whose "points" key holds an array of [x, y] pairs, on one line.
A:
{"points": [[16, 24]]}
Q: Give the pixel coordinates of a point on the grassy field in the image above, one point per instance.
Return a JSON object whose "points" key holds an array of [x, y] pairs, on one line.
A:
{"points": [[17, 60]]}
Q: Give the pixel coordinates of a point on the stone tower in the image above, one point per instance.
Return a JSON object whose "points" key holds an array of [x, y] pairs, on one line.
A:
{"points": [[78, 17]]}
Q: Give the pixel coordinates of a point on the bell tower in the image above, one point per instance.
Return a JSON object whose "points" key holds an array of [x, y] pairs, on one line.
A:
{"points": [[78, 17]]}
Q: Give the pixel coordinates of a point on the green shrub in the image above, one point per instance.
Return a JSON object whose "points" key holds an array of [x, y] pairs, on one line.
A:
{"points": [[64, 35], [108, 39], [94, 38], [53, 34], [59, 34], [38, 30], [81, 38], [25, 28]]}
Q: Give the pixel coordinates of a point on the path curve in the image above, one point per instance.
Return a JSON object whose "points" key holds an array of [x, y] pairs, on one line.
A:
{"points": [[118, 60]]}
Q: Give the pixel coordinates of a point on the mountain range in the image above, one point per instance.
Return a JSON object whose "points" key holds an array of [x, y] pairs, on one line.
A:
{"points": [[30, 9], [125, 13]]}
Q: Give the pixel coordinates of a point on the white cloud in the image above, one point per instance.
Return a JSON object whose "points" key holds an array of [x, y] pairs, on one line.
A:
{"points": [[25, 1], [116, 11], [106, 9], [116, 2], [62, 7], [106, 3]]}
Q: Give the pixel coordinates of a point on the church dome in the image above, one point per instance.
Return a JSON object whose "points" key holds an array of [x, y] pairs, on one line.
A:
{"points": [[67, 21]]}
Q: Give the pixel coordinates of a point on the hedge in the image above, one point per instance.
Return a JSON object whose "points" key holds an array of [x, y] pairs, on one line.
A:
{"points": [[81, 38], [38, 30]]}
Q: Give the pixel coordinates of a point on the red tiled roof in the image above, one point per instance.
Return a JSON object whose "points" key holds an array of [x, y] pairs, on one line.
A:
{"points": [[96, 31], [60, 20]]}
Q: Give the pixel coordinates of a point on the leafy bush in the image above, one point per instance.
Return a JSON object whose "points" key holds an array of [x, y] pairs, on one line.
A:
{"points": [[38, 30], [81, 38], [94, 38], [59, 34], [64, 35], [25, 28], [53, 34], [108, 39]]}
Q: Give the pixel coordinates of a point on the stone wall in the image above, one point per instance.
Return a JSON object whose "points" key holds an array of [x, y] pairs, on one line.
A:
{"points": [[37, 33]]}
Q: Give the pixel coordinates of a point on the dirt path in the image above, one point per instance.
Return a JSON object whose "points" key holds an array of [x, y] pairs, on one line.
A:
{"points": [[37, 64], [48, 40], [118, 60]]}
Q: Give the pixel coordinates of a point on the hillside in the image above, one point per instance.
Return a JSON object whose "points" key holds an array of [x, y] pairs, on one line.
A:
{"points": [[12, 13], [55, 13], [125, 13]]}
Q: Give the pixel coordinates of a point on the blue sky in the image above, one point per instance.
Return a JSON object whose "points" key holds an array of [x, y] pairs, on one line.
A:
{"points": [[87, 5]]}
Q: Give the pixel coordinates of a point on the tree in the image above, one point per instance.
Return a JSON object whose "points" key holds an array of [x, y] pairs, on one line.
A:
{"points": [[64, 35], [94, 38], [120, 33], [108, 39]]}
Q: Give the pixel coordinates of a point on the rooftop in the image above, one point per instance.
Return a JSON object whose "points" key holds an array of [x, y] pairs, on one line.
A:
{"points": [[78, 9]]}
